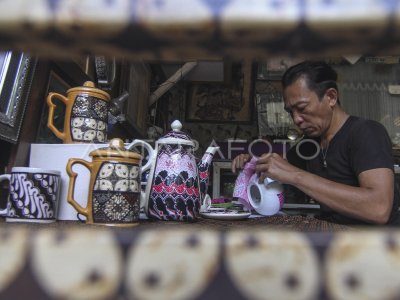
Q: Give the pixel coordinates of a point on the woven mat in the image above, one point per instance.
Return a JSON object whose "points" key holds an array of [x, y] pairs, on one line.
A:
{"points": [[273, 222], [290, 222]]}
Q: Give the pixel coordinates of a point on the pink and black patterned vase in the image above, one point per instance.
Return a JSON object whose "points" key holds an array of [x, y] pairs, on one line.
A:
{"points": [[177, 183], [175, 193]]}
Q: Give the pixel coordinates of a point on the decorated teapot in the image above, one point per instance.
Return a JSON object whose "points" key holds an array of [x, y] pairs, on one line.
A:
{"points": [[176, 184]]}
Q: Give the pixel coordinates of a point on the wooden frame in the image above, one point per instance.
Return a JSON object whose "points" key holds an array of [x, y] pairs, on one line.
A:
{"points": [[264, 73], [87, 65], [16, 75], [218, 166], [138, 86], [274, 67], [105, 69], [223, 102], [272, 118]]}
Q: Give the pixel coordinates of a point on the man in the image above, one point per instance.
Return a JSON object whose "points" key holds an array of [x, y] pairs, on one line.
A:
{"points": [[351, 174]]}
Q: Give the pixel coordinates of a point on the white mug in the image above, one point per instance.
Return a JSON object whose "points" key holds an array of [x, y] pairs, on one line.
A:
{"points": [[266, 198]]}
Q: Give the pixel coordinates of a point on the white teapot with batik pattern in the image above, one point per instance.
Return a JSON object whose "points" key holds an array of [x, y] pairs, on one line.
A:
{"points": [[177, 183]]}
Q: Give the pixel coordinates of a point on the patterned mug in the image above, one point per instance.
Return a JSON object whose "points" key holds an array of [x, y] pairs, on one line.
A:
{"points": [[33, 195], [86, 114], [114, 186]]}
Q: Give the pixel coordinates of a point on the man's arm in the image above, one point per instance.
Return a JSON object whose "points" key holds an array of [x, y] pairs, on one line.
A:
{"points": [[371, 202]]}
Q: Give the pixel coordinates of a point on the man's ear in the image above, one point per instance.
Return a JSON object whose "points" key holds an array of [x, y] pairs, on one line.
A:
{"points": [[332, 95]]}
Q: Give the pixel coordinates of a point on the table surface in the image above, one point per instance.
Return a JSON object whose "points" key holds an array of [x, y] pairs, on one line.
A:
{"points": [[276, 222], [292, 222]]}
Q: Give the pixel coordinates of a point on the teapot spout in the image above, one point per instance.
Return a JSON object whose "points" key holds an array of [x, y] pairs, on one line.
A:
{"points": [[204, 167], [117, 104]]}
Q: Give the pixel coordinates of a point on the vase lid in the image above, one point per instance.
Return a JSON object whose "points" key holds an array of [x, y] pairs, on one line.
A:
{"points": [[115, 149], [176, 136], [89, 87]]}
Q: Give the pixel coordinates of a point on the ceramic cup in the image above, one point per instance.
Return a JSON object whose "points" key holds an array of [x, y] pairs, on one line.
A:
{"points": [[266, 198], [114, 186], [86, 114], [33, 195]]}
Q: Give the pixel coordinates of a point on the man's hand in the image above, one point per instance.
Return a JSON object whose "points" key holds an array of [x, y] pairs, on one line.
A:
{"points": [[239, 162], [274, 166]]}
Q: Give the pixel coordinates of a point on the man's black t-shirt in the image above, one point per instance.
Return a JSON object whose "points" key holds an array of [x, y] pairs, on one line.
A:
{"points": [[358, 146]]}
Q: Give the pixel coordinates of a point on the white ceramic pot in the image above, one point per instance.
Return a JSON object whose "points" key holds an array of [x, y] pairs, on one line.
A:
{"points": [[266, 198]]}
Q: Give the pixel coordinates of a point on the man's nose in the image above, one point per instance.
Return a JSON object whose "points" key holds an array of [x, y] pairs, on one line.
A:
{"points": [[297, 118]]}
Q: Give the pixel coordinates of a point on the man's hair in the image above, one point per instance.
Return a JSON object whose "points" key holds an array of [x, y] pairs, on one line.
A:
{"points": [[318, 75]]}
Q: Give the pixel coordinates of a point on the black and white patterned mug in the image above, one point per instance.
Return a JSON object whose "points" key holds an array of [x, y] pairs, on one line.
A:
{"points": [[86, 114], [33, 195], [114, 185]]}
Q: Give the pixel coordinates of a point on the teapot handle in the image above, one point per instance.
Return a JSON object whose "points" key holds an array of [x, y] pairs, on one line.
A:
{"points": [[52, 106], [71, 187], [149, 149]]}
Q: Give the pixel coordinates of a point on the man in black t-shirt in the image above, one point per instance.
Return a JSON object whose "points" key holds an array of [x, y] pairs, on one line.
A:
{"points": [[350, 174]]}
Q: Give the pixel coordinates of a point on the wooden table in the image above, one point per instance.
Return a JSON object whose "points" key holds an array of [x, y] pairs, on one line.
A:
{"points": [[288, 222]]}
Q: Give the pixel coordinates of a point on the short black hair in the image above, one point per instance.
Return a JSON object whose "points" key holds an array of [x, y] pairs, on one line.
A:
{"points": [[319, 76]]}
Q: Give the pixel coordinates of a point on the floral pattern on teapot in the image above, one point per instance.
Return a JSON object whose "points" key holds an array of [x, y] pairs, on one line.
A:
{"points": [[175, 191], [176, 183]]}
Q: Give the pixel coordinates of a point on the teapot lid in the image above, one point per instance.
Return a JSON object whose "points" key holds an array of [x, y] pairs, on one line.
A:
{"points": [[176, 136], [89, 87], [115, 149]]}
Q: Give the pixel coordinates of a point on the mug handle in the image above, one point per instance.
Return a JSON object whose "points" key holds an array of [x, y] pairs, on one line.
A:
{"points": [[144, 195], [149, 149], [52, 107], [4, 212], [71, 187]]}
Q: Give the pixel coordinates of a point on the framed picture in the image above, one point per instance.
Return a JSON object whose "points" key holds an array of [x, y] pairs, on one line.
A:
{"points": [[16, 75], [106, 72], [223, 102], [266, 73], [275, 67], [61, 77], [272, 118]]}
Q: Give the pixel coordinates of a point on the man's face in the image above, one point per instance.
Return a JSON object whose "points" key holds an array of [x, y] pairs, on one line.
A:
{"points": [[311, 115]]}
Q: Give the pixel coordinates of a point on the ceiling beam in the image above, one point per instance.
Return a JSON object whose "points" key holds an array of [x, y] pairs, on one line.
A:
{"points": [[170, 82]]}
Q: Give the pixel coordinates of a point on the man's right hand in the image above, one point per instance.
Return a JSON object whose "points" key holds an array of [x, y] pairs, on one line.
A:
{"points": [[239, 161]]}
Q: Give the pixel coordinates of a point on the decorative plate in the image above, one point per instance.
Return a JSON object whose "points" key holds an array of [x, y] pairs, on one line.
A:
{"points": [[225, 214]]}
